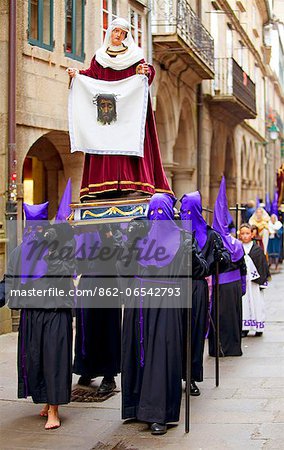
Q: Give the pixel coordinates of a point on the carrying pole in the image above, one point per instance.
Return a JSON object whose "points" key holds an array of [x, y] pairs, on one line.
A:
{"points": [[217, 325], [188, 348]]}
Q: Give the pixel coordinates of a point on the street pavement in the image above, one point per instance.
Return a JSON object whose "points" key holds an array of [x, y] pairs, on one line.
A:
{"points": [[245, 412]]}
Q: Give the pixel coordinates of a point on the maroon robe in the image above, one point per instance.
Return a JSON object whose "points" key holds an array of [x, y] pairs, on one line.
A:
{"points": [[105, 173]]}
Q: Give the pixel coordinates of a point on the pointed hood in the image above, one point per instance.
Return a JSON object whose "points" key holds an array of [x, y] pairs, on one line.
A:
{"points": [[191, 216], [220, 224], [64, 209], [274, 206], [267, 206]]}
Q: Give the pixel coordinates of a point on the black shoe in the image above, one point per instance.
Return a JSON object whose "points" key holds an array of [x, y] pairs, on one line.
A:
{"points": [[194, 391], [244, 333], [106, 386], [158, 428], [84, 381], [258, 333]]}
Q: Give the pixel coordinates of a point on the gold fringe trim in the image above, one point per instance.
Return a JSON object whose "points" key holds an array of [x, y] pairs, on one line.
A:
{"points": [[108, 183]]}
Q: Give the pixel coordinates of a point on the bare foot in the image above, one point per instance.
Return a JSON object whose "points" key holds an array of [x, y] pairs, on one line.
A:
{"points": [[44, 411], [53, 420]]}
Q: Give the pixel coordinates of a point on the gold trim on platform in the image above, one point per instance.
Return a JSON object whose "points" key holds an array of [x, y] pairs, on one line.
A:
{"points": [[112, 211]]}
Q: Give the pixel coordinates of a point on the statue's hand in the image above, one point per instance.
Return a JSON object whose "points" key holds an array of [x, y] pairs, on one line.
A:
{"points": [[143, 69], [72, 72]]}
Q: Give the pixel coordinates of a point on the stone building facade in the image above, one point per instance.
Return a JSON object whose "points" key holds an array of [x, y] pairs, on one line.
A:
{"points": [[214, 90], [223, 131]]}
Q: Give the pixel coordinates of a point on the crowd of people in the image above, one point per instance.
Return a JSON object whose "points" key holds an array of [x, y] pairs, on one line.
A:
{"points": [[147, 343], [267, 226]]}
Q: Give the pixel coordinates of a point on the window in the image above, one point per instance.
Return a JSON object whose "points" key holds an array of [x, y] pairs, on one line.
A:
{"points": [[74, 32], [135, 20], [110, 12], [40, 28]]}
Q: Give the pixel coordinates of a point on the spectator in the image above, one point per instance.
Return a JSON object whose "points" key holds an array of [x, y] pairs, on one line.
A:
{"points": [[275, 229], [250, 210]]}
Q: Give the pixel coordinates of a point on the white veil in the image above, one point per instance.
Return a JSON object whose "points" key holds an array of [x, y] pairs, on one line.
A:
{"points": [[133, 55]]}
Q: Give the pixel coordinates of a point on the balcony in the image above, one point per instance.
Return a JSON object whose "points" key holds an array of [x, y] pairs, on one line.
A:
{"points": [[178, 31], [233, 90]]}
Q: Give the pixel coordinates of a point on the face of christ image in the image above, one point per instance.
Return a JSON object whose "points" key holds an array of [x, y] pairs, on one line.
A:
{"points": [[106, 105]]}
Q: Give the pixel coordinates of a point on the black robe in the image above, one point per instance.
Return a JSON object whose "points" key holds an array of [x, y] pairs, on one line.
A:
{"points": [[200, 304], [45, 335], [260, 262], [230, 317], [98, 329], [152, 344]]}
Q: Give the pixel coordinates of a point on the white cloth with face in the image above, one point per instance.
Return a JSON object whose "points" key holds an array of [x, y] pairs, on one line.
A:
{"points": [[133, 54], [108, 117]]}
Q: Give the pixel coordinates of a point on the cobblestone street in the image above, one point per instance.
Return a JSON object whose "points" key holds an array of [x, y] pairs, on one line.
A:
{"points": [[246, 411]]}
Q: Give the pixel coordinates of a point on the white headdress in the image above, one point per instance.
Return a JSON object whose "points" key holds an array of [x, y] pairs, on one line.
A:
{"points": [[133, 54], [265, 216]]}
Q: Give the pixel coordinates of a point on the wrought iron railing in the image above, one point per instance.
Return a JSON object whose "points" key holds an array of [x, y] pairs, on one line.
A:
{"points": [[177, 17], [232, 80]]}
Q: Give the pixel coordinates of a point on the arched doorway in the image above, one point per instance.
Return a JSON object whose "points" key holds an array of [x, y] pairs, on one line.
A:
{"points": [[41, 170], [46, 169]]}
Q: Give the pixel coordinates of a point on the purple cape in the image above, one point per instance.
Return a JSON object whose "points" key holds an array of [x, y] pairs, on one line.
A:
{"points": [[191, 214], [164, 237], [220, 224]]}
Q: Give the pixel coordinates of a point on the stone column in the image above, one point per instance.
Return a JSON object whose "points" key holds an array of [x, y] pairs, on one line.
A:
{"points": [[231, 186], [52, 191], [214, 188], [183, 182]]}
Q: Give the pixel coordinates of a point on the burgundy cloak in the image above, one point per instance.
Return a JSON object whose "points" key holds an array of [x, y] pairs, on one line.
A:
{"points": [[105, 173]]}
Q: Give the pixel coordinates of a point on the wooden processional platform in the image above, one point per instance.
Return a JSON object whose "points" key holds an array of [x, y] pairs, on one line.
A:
{"points": [[108, 210]]}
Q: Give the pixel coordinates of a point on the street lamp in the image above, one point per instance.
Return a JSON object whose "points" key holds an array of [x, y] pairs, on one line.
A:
{"points": [[273, 132]]}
